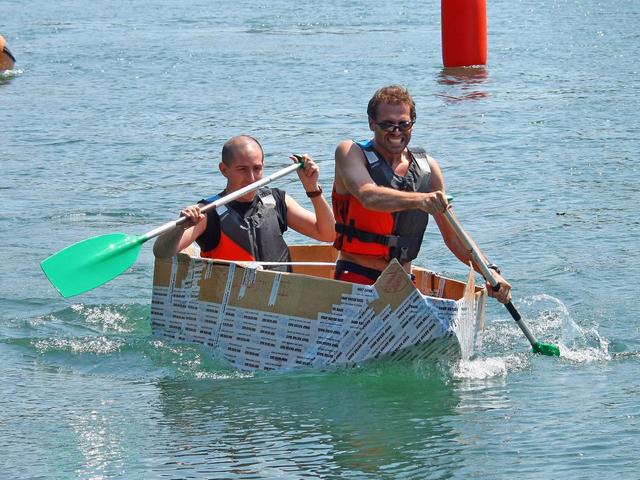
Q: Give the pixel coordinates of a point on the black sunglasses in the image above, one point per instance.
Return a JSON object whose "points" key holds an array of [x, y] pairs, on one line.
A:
{"points": [[391, 127]]}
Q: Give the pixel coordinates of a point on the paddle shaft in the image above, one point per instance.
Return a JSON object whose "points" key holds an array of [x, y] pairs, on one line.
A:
{"points": [[223, 201], [487, 273], [92, 262]]}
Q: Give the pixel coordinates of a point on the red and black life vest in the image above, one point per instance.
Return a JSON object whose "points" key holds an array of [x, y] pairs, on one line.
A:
{"points": [[254, 236], [391, 235]]}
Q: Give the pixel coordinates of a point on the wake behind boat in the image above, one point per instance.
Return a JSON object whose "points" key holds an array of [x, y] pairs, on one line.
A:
{"points": [[264, 320]]}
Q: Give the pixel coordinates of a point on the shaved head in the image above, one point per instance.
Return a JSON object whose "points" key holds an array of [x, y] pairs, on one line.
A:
{"points": [[240, 145]]}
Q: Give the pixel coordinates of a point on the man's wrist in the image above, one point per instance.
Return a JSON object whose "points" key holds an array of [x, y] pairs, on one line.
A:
{"points": [[494, 267], [315, 193]]}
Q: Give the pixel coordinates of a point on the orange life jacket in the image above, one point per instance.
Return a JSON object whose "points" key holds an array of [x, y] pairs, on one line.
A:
{"points": [[256, 236], [390, 235]]}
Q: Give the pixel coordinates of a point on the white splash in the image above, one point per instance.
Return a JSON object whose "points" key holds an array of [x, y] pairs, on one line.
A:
{"points": [[94, 345], [586, 346], [11, 73], [550, 321], [106, 317], [480, 368]]}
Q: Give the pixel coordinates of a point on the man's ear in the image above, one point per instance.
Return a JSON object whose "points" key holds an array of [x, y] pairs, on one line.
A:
{"points": [[372, 123], [223, 169]]}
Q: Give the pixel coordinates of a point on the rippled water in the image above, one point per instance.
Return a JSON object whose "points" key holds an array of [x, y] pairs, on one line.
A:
{"points": [[113, 119]]}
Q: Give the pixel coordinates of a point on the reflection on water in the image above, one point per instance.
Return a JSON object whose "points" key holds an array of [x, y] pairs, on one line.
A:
{"points": [[97, 443], [361, 422], [463, 83]]}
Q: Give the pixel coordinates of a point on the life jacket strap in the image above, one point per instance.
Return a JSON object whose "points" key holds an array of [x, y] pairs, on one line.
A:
{"points": [[350, 232]]}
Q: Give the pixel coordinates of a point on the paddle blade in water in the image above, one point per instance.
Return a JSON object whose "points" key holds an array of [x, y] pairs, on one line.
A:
{"points": [[546, 349], [91, 262]]}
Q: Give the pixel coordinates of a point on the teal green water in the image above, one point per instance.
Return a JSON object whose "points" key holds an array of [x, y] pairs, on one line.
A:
{"points": [[113, 120]]}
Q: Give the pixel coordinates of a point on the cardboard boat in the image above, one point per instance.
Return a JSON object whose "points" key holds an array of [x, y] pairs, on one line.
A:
{"points": [[257, 319]]}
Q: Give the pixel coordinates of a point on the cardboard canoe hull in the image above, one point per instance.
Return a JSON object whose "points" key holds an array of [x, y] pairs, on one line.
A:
{"points": [[264, 320]]}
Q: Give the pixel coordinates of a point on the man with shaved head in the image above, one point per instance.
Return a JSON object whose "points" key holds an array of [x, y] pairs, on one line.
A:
{"points": [[251, 227]]}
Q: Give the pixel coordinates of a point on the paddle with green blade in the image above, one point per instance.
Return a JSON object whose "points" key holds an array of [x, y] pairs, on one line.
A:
{"points": [[92, 262], [538, 347]]}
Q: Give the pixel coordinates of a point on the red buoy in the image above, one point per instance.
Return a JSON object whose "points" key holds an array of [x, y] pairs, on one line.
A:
{"points": [[7, 60], [464, 32]]}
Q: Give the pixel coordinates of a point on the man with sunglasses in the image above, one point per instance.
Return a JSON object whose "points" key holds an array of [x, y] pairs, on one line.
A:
{"points": [[384, 192], [251, 228]]}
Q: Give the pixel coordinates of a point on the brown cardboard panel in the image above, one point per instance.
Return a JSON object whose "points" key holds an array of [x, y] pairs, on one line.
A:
{"points": [[393, 287], [256, 292], [270, 291], [162, 272], [314, 271], [290, 295], [452, 289], [183, 269], [306, 296], [427, 282], [213, 283], [313, 253]]}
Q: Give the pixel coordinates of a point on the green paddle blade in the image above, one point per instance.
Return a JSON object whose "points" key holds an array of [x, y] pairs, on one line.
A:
{"points": [[91, 262], [546, 349]]}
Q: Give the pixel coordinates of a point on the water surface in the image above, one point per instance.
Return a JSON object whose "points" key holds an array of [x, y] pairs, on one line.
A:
{"points": [[114, 119]]}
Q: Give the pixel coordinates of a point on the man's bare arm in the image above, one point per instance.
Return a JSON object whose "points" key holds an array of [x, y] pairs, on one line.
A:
{"points": [[319, 225], [352, 176]]}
